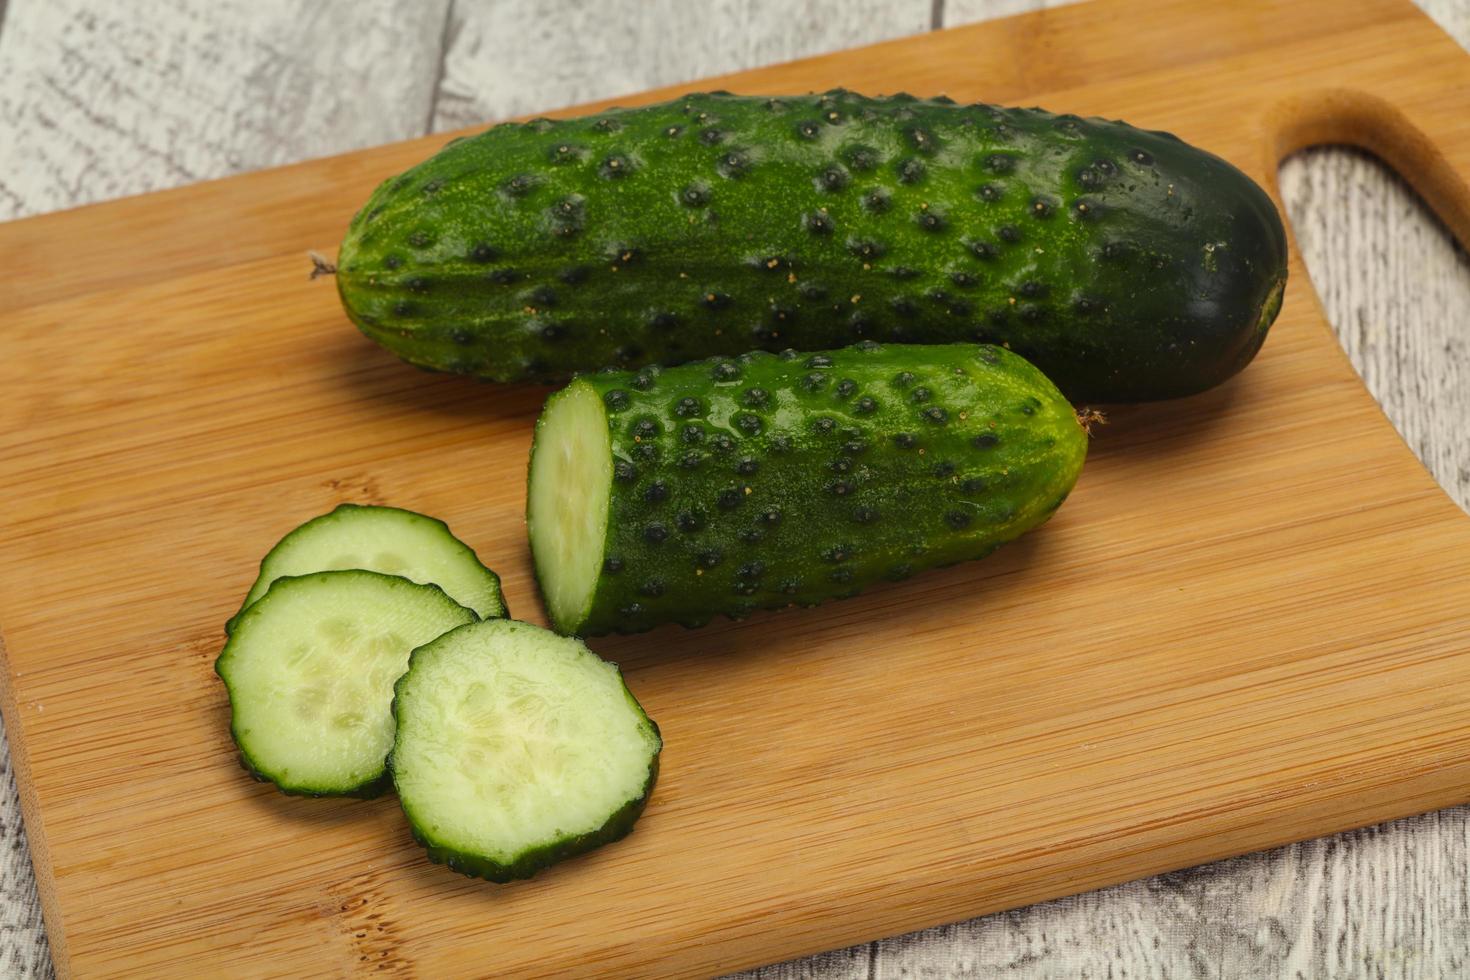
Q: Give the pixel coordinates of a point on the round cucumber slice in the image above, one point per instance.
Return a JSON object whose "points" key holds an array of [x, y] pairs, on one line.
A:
{"points": [[310, 670], [516, 748], [567, 501], [382, 539]]}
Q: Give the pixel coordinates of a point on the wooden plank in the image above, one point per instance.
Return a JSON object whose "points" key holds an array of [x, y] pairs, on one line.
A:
{"points": [[1453, 16], [101, 100], [23, 948], [509, 59], [1420, 375], [441, 388], [957, 12]]}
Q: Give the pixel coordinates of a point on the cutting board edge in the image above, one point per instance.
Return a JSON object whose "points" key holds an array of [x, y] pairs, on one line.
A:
{"points": [[1371, 817], [33, 822]]}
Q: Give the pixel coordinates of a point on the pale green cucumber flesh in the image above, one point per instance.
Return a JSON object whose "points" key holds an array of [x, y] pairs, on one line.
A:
{"points": [[516, 748], [310, 670], [566, 503], [382, 539]]}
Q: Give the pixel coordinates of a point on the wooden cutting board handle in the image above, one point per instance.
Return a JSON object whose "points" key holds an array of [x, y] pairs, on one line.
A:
{"points": [[1420, 129]]}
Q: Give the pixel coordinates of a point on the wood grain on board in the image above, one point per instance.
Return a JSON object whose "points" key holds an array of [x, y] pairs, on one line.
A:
{"points": [[181, 297]]}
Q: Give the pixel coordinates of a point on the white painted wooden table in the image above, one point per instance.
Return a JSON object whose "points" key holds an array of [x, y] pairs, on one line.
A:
{"points": [[100, 99]]}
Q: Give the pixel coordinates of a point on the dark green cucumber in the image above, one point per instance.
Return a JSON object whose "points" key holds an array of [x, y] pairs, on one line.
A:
{"points": [[516, 748], [724, 486], [1124, 263]]}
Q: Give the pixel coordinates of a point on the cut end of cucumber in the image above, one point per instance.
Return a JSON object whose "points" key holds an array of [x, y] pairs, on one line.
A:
{"points": [[517, 747], [567, 498]]}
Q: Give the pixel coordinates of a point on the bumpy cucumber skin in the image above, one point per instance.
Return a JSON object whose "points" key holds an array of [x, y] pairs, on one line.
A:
{"points": [[1124, 263], [366, 791], [618, 826], [363, 791], [775, 480], [503, 611]]}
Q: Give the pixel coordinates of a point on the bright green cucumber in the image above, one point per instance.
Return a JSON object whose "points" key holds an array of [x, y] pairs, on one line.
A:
{"points": [[382, 539], [1124, 263], [729, 485], [516, 748], [310, 670]]}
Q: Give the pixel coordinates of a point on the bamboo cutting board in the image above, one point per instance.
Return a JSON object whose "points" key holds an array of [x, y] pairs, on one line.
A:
{"points": [[1249, 625]]}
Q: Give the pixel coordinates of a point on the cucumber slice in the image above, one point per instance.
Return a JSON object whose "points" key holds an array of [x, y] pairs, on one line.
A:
{"points": [[382, 539], [310, 670], [517, 748], [567, 500]]}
